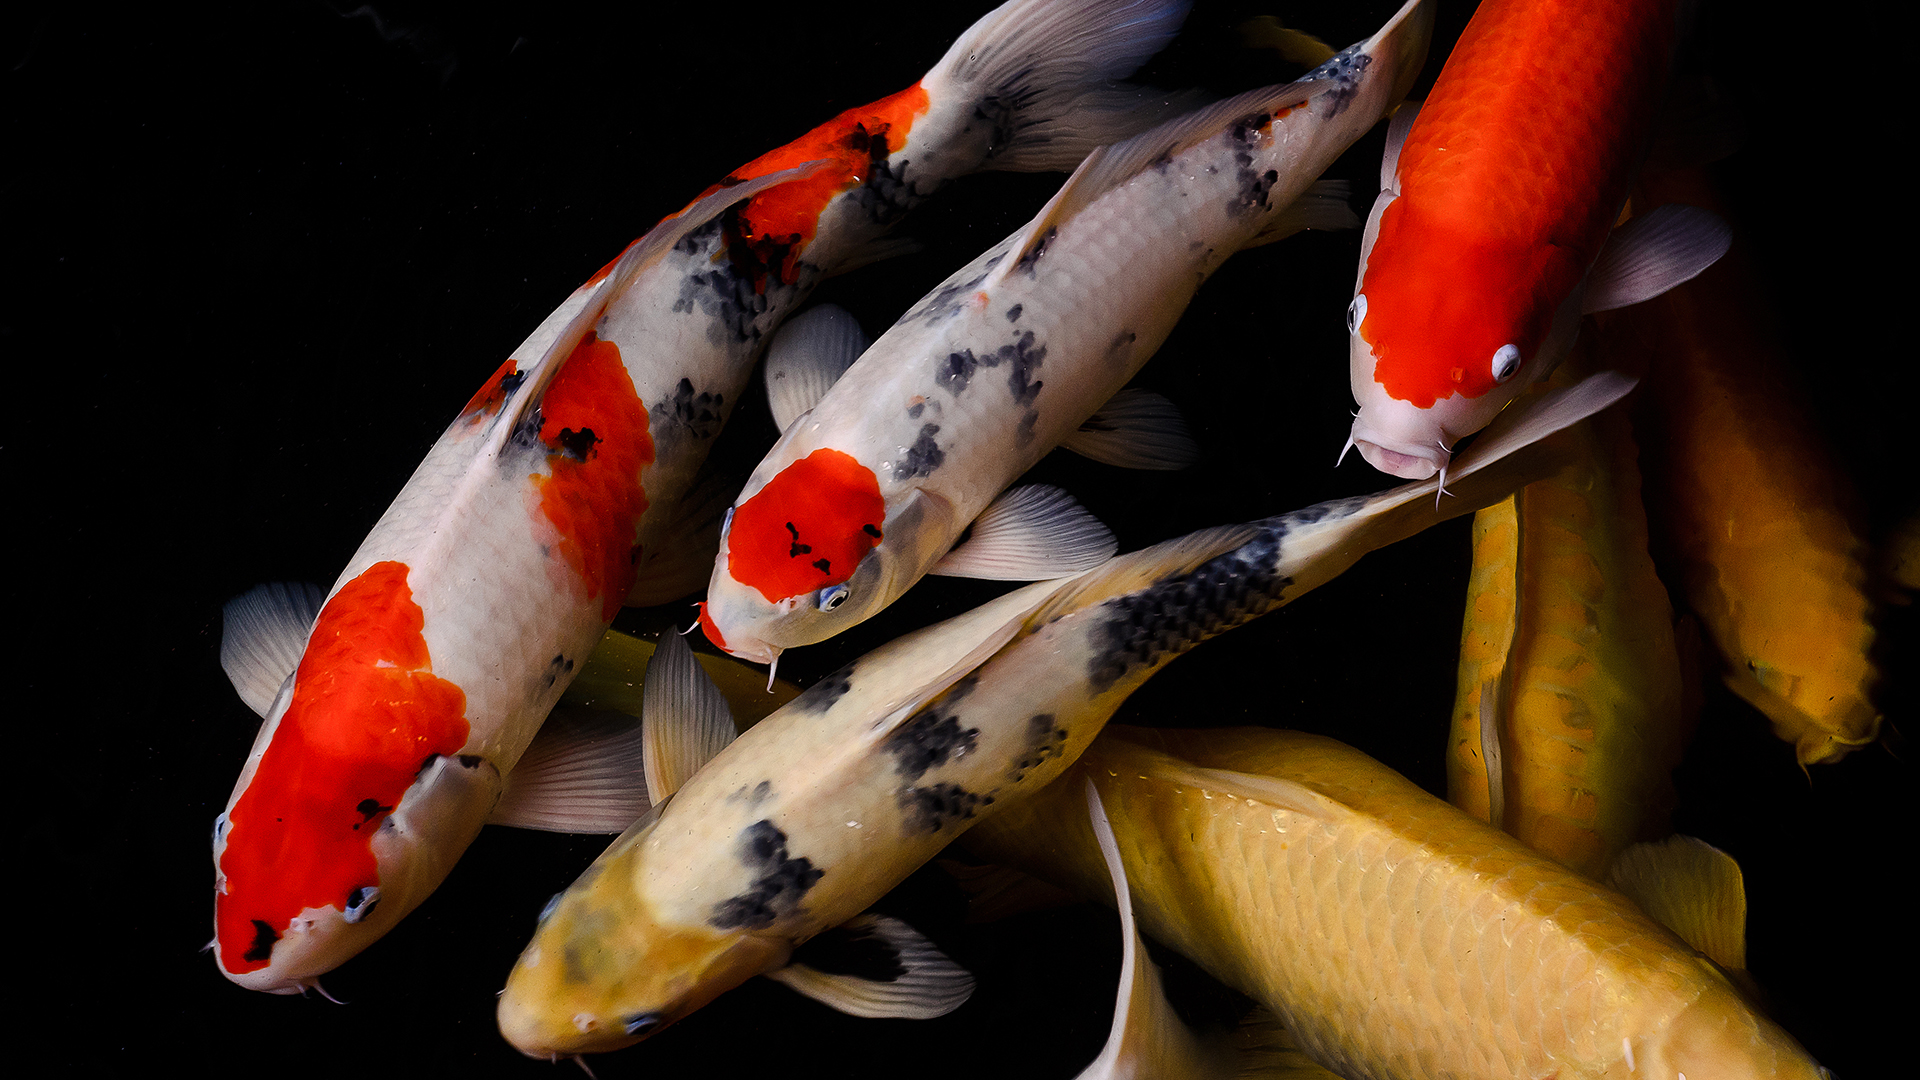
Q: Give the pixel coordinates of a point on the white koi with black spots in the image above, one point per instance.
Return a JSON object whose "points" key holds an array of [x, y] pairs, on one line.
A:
{"points": [[819, 810], [867, 492]]}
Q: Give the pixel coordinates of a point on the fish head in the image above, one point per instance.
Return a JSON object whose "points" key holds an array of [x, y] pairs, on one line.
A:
{"points": [[356, 799], [1445, 330], [1720, 1037], [604, 971], [295, 899], [814, 551]]}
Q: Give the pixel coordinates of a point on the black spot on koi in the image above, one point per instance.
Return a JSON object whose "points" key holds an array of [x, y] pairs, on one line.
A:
{"points": [[923, 457], [781, 881], [932, 808], [821, 695], [927, 741]]}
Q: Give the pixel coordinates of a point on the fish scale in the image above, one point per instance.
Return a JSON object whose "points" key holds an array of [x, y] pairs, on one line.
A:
{"points": [[1395, 936]]}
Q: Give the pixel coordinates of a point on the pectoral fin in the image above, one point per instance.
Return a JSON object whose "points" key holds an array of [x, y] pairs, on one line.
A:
{"points": [[877, 967], [1654, 252], [581, 774], [1137, 429], [1030, 534], [263, 635]]}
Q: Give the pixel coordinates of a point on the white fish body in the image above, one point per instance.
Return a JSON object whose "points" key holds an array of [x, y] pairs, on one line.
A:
{"points": [[864, 494]]}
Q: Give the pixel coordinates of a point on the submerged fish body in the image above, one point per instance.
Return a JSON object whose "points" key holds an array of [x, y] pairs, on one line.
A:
{"points": [[867, 492], [1569, 720], [1752, 508], [556, 496], [1393, 935], [821, 808], [1497, 201]]}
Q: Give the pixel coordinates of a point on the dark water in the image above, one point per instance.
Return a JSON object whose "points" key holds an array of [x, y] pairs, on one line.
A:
{"points": [[267, 255]]}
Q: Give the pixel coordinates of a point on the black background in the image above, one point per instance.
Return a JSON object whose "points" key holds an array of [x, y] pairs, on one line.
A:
{"points": [[263, 253]]}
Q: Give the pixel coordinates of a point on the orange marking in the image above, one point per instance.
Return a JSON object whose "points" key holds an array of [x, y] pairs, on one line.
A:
{"points": [[490, 396], [1509, 183], [808, 528], [712, 631], [367, 713], [596, 426]]}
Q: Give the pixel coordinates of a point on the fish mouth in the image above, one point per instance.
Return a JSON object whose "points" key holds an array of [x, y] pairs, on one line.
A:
{"points": [[751, 649], [1396, 457]]}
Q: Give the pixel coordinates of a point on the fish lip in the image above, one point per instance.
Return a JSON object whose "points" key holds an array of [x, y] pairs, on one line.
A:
{"points": [[1398, 457]]}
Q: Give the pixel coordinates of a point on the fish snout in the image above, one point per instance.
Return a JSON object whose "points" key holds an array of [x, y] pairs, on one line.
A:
{"points": [[1408, 458]]}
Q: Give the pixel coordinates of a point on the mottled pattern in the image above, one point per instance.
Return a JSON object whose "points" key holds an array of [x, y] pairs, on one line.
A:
{"points": [[1045, 740], [1345, 69], [780, 882], [820, 697], [701, 414], [922, 457], [929, 740], [934, 807], [1170, 616]]}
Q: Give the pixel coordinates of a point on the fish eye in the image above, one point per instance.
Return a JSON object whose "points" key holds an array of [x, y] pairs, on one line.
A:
{"points": [[219, 826], [831, 597], [547, 911], [643, 1023], [361, 902], [1506, 361], [1356, 313], [726, 523]]}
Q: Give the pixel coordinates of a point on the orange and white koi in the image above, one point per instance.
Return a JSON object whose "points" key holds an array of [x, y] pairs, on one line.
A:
{"points": [[1493, 231], [556, 495], [868, 491]]}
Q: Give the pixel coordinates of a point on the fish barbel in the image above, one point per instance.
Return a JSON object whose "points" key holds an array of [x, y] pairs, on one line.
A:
{"points": [[1393, 935]]}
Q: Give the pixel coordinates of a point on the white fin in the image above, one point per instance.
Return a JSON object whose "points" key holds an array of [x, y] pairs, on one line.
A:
{"points": [[263, 634], [1136, 429], [1029, 534], [1148, 1040], [683, 562], [1397, 129], [1693, 889], [1110, 166], [915, 981], [685, 719], [878, 249], [1057, 60], [807, 356], [1322, 206], [1654, 252], [581, 774], [1271, 790]]}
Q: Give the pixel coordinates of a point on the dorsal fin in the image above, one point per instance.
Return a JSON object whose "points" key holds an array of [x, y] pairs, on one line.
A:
{"points": [[1110, 166]]}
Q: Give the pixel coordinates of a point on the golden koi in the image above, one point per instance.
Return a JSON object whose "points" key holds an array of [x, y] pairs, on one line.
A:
{"points": [[1393, 935]]}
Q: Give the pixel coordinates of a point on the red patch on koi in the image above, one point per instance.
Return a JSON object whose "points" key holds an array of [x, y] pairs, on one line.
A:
{"points": [[596, 427], [367, 712], [712, 631], [808, 528], [492, 394], [775, 226]]}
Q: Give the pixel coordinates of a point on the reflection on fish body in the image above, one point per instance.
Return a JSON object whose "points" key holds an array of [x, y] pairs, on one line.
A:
{"points": [[561, 492], [1012, 353], [825, 805], [1498, 194], [1394, 935]]}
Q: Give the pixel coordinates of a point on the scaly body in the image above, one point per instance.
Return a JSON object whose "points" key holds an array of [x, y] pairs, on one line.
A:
{"points": [[555, 496], [1568, 719], [1394, 935], [864, 494]]}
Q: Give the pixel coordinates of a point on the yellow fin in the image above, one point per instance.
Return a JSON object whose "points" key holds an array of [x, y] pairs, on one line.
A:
{"points": [[1692, 888], [1295, 47]]}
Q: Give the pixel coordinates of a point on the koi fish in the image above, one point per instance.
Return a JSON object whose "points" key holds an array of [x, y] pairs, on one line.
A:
{"points": [[821, 808], [565, 489], [1569, 717], [1753, 509], [1493, 231], [869, 490], [1392, 934]]}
